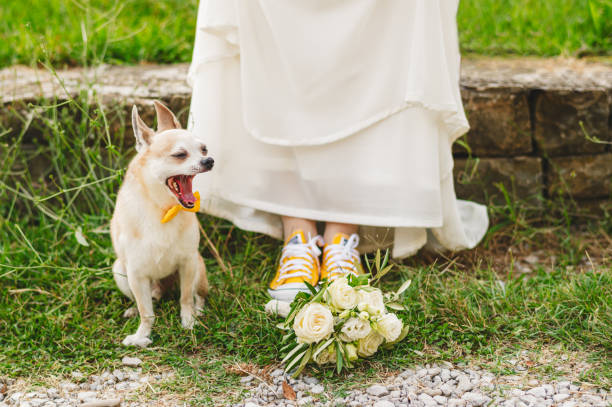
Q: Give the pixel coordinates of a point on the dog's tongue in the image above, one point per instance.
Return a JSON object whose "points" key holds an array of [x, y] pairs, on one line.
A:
{"points": [[186, 192]]}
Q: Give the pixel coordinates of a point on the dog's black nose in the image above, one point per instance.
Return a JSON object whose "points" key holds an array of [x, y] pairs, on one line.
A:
{"points": [[207, 163]]}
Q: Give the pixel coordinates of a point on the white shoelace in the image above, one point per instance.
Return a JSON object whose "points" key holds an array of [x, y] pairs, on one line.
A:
{"points": [[300, 251], [340, 258]]}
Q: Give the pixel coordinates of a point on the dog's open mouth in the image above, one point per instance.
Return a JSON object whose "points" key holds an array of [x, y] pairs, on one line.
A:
{"points": [[180, 185]]}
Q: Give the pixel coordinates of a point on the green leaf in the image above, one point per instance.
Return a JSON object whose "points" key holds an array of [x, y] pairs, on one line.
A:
{"points": [[595, 15], [295, 309], [286, 347], [339, 358], [385, 270], [322, 347], [403, 287], [80, 237], [377, 260], [396, 306], [368, 264], [386, 259], [359, 280], [298, 348], [295, 361], [311, 288], [347, 362], [303, 363], [319, 295], [288, 336]]}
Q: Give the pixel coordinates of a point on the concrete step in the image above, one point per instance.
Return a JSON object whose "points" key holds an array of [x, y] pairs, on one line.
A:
{"points": [[529, 119]]}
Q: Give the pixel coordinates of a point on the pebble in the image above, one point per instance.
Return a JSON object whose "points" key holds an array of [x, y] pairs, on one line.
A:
{"points": [[377, 390], [131, 362], [464, 385], [119, 375], [456, 402], [384, 403], [557, 398], [121, 386], [317, 389], [77, 375], [427, 399], [277, 372], [538, 392], [475, 399], [311, 380], [86, 395]]}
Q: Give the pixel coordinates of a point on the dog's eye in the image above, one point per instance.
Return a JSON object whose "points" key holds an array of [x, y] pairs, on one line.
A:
{"points": [[204, 150], [180, 155]]}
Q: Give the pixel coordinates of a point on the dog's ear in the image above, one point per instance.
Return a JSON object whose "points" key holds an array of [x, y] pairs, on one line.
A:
{"points": [[143, 134], [165, 118]]}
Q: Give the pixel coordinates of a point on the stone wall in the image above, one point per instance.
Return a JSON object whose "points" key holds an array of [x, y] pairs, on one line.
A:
{"points": [[533, 121]]}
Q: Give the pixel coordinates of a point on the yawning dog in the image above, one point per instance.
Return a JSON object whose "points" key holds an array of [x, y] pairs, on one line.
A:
{"points": [[154, 228]]}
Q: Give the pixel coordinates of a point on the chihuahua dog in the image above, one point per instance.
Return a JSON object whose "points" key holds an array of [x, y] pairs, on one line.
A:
{"points": [[152, 249]]}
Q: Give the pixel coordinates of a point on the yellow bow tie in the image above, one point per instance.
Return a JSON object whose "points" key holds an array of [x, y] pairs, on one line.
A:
{"points": [[172, 212]]}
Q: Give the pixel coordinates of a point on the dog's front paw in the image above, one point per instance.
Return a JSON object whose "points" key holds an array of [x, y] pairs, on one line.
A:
{"points": [[187, 319], [135, 340]]}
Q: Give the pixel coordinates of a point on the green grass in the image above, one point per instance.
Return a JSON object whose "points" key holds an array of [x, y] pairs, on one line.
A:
{"points": [[78, 32], [534, 27], [60, 309]]}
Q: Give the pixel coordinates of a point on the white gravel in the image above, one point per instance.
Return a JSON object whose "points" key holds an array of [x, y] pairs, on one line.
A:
{"points": [[430, 386], [109, 389]]}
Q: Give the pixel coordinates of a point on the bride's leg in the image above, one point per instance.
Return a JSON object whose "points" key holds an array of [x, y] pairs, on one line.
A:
{"points": [[290, 225], [332, 229]]}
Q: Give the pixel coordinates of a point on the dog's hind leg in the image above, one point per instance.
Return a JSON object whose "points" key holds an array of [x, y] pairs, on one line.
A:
{"points": [[120, 276], [160, 287]]}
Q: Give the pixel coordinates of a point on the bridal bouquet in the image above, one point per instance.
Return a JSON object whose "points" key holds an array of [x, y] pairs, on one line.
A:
{"points": [[344, 321]]}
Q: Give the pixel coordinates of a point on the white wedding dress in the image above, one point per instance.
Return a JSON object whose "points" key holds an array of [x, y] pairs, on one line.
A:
{"points": [[333, 110]]}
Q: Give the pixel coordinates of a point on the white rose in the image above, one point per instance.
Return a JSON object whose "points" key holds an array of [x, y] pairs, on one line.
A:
{"points": [[313, 323], [354, 329], [327, 355], [342, 295], [389, 326], [371, 301], [369, 345]]}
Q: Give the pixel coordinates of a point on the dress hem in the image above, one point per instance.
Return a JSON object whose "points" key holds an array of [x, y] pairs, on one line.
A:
{"points": [[321, 216]]}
